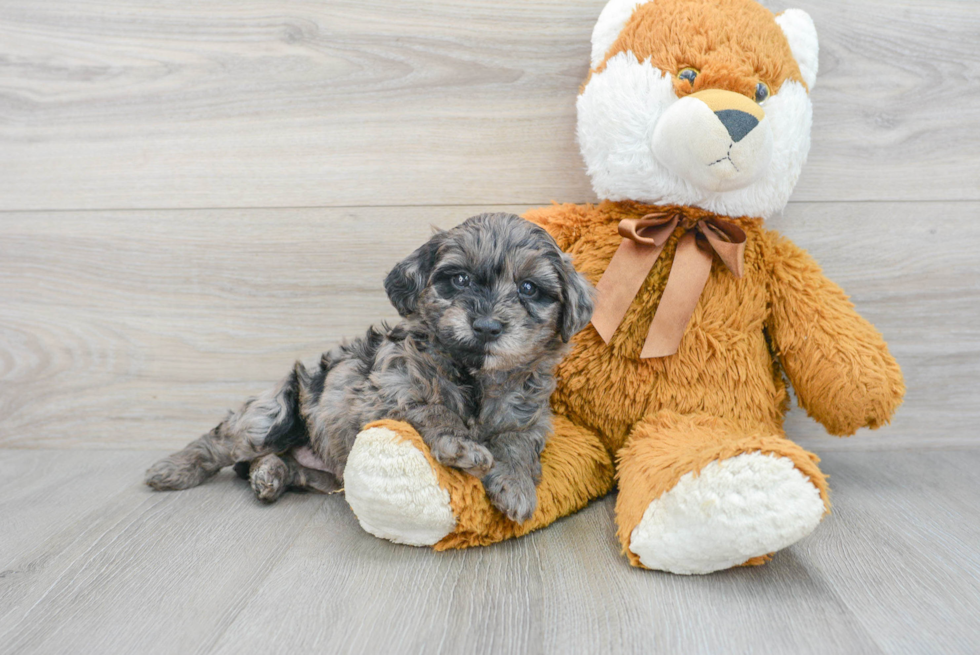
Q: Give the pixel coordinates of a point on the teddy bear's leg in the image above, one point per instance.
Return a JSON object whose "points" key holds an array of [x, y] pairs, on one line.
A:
{"points": [[699, 494], [399, 492]]}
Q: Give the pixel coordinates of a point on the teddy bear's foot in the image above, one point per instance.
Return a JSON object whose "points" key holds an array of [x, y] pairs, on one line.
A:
{"points": [[392, 489], [734, 510], [400, 492]]}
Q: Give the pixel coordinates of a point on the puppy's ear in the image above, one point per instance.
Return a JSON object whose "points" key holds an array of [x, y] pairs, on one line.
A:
{"points": [[577, 303], [409, 277]]}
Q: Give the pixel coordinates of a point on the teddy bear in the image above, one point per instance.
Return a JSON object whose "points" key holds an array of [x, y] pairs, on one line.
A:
{"points": [[694, 123]]}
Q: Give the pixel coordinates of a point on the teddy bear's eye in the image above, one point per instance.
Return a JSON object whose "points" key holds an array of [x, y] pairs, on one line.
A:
{"points": [[689, 74], [761, 91]]}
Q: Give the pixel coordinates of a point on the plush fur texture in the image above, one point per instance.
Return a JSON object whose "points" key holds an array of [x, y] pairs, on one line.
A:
{"points": [[636, 115], [575, 469], [714, 520], [707, 477], [801, 34], [488, 309], [393, 489]]}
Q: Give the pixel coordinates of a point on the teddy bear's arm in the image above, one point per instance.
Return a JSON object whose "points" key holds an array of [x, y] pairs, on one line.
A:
{"points": [[837, 362]]}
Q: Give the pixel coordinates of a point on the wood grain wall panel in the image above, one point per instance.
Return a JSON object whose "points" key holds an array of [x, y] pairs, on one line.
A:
{"points": [[140, 104], [138, 329]]}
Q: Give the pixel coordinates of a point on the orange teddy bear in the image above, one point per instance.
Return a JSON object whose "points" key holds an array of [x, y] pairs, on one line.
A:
{"points": [[694, 124]]}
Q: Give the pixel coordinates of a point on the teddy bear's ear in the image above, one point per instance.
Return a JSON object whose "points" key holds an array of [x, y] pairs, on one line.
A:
{"points": [[802, 36], [611, 22]]}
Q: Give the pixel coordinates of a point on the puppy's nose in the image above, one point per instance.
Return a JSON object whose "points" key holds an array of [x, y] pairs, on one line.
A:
{"points": [[487, 328]]}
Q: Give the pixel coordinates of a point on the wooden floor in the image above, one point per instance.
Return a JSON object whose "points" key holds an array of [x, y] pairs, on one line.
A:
{"points": [[96, 563], [194, 194]]}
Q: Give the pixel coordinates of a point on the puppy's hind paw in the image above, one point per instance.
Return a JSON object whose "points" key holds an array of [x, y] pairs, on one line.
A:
{"points": [[515, 497], [269, 477], [173, 473]]}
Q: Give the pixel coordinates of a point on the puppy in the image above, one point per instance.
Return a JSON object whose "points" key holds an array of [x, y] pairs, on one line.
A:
{"points": [[487, 310]]}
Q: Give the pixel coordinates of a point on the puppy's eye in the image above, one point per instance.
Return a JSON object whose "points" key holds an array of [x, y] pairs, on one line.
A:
{"points": [[689, 74], [461, 280], [527, 288], [761, 91]]}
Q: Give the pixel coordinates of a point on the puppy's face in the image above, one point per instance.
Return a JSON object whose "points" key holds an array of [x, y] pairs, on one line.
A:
{"points": [[495, 291]]}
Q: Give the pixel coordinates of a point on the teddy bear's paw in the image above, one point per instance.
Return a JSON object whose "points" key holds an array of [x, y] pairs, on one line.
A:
{"points": [[733, 511], [393, 491]]}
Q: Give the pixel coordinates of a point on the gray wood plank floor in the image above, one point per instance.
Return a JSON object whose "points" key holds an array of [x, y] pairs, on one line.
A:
{"points": [[120, 569]]}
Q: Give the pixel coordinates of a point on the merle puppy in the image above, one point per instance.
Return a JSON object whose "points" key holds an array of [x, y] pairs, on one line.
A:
{"points": [[487, 309]]}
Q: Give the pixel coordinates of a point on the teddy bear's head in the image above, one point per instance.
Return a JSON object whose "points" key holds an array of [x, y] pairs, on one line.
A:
{"points": [[698, 102]]}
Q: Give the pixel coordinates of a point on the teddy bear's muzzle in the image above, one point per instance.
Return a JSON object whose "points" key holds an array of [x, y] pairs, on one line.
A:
{"points": [[714, 139]]}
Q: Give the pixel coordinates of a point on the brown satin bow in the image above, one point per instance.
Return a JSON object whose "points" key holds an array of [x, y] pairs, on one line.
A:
{"points": [[643, 241]]}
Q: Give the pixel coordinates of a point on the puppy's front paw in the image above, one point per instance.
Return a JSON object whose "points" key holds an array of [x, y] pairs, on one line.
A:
{"points": [[175, 472], [469, 456], [513, 495]]}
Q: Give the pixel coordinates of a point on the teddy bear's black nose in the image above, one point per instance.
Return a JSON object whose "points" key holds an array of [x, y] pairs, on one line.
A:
{"points": [[738, 123]]}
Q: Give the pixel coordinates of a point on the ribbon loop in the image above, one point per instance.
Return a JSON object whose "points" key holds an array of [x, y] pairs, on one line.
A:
{"points": [[728, 240], [643, 241], [651, 230]]}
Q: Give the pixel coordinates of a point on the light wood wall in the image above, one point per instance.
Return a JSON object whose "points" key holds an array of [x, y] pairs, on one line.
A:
{"points": [[193, 195]]}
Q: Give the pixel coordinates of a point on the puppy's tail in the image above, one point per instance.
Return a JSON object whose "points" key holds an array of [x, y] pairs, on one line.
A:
{"points": [[288, 428]]}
